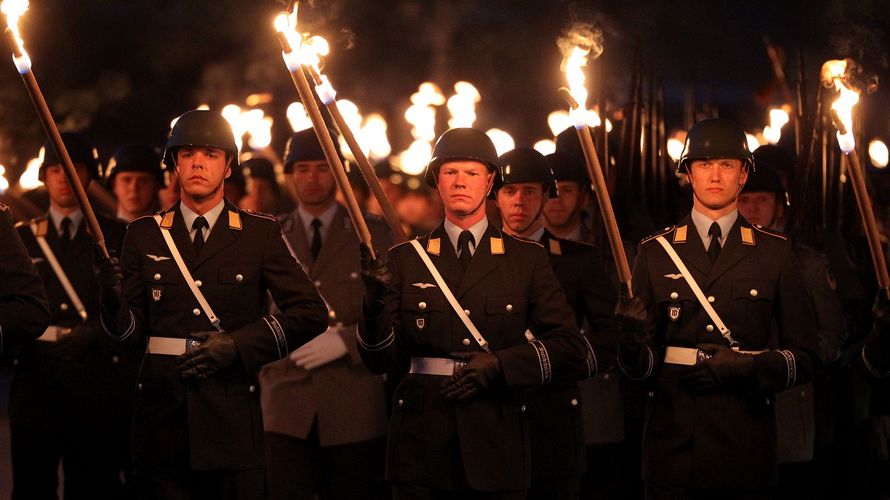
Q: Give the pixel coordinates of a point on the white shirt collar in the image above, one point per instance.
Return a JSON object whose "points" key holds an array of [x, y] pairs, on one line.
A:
{"points": [[703, 224], [326, 218], [537, 235], [75, 217], [478, 230], [189, 216]]}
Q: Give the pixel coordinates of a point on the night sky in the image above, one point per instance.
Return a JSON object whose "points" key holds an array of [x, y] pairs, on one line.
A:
{"points": [[121, 70]]}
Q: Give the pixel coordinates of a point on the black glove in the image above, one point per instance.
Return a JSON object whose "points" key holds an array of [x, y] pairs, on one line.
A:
{"points": [[216, 352], [376, 278], [482, 372], [632, 318], [109, 275], [724, 368]]}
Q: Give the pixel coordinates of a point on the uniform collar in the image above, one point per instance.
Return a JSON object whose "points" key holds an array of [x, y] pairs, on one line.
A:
{"points": [[189, 216], [56, 216], [477, 229], [703, 223], [326, 218], [537, 235]]}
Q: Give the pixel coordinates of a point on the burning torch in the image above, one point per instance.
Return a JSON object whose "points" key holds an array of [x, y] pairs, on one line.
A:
{"points": [[576, 97], [14, 9], [837, 74]]}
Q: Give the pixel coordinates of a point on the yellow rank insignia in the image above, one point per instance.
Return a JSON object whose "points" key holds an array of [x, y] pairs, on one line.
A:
{"points": [[42, 228], [234, 220], [497, 246], [680, 235], [555, 248], [434, 246], [747, 235], [167, 221]]}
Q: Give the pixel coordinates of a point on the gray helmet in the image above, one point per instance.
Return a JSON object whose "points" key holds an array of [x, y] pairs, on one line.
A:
{"points": [[526, 165], [459, 144], [715, 138], [201, 127]]}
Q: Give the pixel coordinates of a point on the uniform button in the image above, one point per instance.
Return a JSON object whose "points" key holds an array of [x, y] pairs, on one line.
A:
{"points": [[522, 408], [239, 278], [606, 376], [252, 388], [332, 314], [803, 393], [709, 328], [115, 359], [753, 292], [509, 307], [401, 402], [199, 282], [353, 275], [465, 342], [157, 276], [139, 387], [581, 331], [63, 306], [196, 311], [711, 299], [421, 305], [529, 336], [467, 312], [675, 295], [317, 283], [651, 394], [574, 402]]}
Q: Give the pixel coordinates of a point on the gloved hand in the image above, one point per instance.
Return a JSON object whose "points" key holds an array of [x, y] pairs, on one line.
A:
{"points": [[216, 352], [321, 350], [632, 318], [724, 368], [376, 278], [109, 275], [482, 372]]}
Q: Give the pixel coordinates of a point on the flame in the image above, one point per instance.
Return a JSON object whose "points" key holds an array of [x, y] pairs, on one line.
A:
{"points": [[261, 133], [14, 10], [834, 72], [753, 143], [877, 152], [462, 105], [30, 179], [353, 119], [413, 160], [675, 148], [545, 146], [373, 134], [4, 183], [298, 117], [503, 141], [560, 120], [778, 118], [422, 113], [574, 68]]}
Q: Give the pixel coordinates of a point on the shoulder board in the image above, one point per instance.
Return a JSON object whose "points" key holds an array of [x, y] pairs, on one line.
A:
{"points": [[259, 214], [656, 235], [770, 232], [523, 241], [235, 220], [146, 217]]}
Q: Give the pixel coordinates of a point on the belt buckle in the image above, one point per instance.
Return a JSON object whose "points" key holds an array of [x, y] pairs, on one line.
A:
{"points": [[701, 356], [191, 344], [459, 365]]}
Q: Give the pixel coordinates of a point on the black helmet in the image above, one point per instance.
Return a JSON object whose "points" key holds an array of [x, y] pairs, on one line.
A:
{"points": [[567, 141], [776, 157], [568, 167], [259, 168], [201, 127], [715, 138], [385, 171], [764, 180], [80, 150], [304, 146], [135, 158], [462, 144], [526, 165]]}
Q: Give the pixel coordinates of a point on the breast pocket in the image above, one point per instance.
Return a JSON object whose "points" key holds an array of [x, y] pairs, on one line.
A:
{"points": [[754, 302], [505, 319], [161, 281], [675, 304], [420, 311]]}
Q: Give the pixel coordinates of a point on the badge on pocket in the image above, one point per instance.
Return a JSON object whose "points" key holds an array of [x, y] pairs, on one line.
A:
{"points": [[420, 322], [674, 313], [156, 294]]}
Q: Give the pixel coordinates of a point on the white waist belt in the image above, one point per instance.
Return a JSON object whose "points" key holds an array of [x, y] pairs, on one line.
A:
{"points": [[169, 346], [54, 333], [689, 356], [445, 367]]}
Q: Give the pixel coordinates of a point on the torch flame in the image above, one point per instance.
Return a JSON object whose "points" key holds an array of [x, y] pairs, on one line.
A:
{"points": [[462, 105], [778, 118], [297, 116], [835, 73], [30, 179], [503, 141], [674, 148], [422, 113], [545, 146], [14, 10], [574, 68], [373, 132], [413, 160], [877, 152], [4, 183]]}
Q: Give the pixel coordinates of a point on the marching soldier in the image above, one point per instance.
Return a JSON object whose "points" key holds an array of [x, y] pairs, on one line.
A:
{"points": [[324, 413], [191, 288], [135, 176], [457, 302], [707, 293], [66, 399], [557, 422]]}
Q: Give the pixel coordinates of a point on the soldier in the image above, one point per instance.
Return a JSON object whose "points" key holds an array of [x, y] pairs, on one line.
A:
{"points": [[135, 176], [263, 193], [457, 302], [707, 293], [197, 427], [324, 413], [557, 422], [65, 399]]}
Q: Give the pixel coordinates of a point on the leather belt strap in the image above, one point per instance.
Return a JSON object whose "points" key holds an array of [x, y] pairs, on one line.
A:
{"points": [[60, 274], [54, 333], [169, 346], [689, 356], [445, 367]]}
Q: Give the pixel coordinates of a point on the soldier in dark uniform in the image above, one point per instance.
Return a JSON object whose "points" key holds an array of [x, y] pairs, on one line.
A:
{"points": [[459, 425], [324, 413], [875, 352], [135, 176], [556, 418], [263, 191], [197, 427], [710, 422], [65, 400]]}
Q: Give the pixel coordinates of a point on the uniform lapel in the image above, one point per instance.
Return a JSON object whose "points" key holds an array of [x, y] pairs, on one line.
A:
{"points": [[181, 236], [733, 251], [220, 237], [336, 236], [446, 262], [483, 262], [296, 235]]}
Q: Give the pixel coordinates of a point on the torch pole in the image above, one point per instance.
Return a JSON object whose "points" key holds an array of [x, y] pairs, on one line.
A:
{"points": [[327, 145], [52, 132], [389, 213], [602, 196], [857, 177]]}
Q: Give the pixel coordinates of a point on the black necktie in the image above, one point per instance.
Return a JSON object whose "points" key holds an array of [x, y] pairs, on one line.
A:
{"points": [[463, 247], [315, 245], [65, 238], [199, 225], [714, 247]]}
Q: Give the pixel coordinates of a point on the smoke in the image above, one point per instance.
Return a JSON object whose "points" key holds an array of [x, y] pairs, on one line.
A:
{"points": [[586, 35]]}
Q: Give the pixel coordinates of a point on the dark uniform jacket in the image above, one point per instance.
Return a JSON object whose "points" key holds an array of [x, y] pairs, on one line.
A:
{"points": [[24, 313], [214, 423], [509, 287], [727, 438], [557, 418], [348, 400]]}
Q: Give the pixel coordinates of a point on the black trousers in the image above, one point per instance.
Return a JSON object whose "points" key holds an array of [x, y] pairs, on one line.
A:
{"points": [[602, 481], [159, 483], [402, 491], [302, 469]]}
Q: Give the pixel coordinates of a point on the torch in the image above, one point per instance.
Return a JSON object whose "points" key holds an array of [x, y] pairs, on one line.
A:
{"points": [[576, 98], [14, 9], [288, 22], [836, 73]]}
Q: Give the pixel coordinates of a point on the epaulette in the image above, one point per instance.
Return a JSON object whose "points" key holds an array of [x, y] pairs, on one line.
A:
{"points": [[259, 214], [770, 232], [659, 233], [521, 240]]}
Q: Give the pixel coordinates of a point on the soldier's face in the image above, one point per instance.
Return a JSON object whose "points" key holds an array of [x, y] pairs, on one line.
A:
{"points": [[202, 171], [463, 186], [716, 183], [60, 192], [760, 208], [314, 182], [520, 205], [563, 210], [135, 191]]}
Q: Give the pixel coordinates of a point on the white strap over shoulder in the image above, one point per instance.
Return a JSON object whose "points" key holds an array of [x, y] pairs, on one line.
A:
{"points": [[60, 273]]}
